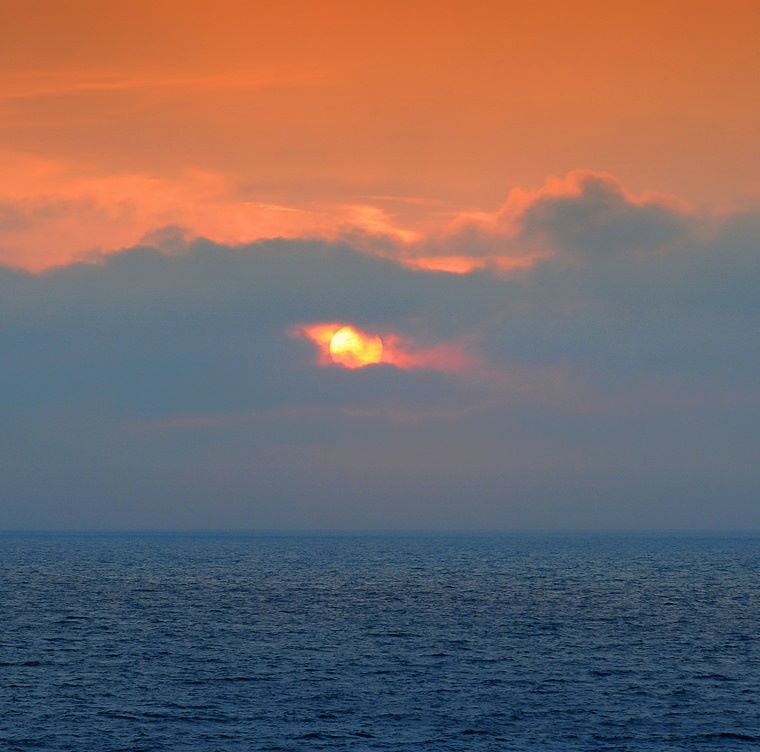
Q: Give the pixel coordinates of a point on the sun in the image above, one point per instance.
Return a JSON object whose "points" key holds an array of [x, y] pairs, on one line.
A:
{"points": [[348, 346], [353, 348]]}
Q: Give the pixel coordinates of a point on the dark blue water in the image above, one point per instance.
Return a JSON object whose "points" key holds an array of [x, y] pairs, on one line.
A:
{"points": [[379, 643]]}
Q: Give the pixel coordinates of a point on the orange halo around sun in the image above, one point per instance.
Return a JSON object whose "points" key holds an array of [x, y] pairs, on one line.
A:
{"points": [[344, 345], [348, 346]]}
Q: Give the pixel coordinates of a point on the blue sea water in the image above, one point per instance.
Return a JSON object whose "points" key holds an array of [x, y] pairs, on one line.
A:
{"points": [[121, 642]]}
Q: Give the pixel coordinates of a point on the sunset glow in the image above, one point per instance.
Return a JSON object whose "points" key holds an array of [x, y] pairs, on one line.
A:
{"points": [[348, 346], [120, 120], [343, 345], [469, 264]]}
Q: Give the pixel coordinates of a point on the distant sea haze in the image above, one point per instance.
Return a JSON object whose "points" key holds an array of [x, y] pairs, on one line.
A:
{"points": [[379, 642]]}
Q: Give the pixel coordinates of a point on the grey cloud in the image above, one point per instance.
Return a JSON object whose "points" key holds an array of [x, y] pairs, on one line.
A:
{"points": [[587, 217], [602, 222], [158, 389], [207, 329]]}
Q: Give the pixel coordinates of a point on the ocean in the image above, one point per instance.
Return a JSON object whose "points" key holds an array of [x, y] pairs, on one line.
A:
{"points": [[379, 642]]}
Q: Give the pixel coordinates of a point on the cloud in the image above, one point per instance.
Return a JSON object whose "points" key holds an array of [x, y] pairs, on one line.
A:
{"points": [[90, 213], [60, 83], [585, 215], [612, 383], [596, 219]]}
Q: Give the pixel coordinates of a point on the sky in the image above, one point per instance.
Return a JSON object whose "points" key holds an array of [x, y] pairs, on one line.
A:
{"points": [[379, 266]]}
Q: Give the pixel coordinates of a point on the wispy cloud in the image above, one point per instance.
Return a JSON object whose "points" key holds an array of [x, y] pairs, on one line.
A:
{"points": [[38, 84]]}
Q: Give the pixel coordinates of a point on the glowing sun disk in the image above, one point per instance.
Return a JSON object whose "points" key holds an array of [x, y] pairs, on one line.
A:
{"points": [[353, 348]]}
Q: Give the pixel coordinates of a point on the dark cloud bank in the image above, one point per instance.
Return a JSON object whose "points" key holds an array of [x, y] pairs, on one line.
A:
{"points": [[618, 385]]}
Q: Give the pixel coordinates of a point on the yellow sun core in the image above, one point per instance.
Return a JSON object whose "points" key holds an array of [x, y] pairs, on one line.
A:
{"points": [[352, 348]]}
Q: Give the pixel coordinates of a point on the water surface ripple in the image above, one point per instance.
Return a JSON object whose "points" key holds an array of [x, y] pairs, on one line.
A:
{"points": [[379, 643]]}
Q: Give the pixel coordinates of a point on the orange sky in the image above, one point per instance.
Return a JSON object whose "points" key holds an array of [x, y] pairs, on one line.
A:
{"points": [[240, 120]]}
